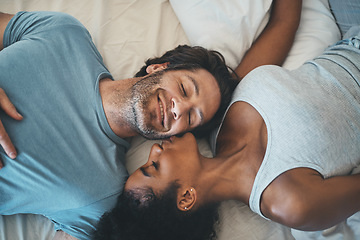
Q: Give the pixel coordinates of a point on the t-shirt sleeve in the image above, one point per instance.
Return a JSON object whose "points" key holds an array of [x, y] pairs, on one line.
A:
{"points": [[81, 222], [25, 25]]}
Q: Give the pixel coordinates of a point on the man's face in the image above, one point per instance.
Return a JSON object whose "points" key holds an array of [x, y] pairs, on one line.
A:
{"points": [[167, 103]]}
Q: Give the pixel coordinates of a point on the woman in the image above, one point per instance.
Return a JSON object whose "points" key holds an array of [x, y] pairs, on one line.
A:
{"points": [[290, 150], [288, 147], [269, 48]]}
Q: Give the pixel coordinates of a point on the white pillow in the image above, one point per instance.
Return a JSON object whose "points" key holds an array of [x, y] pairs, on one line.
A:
{"points": [[317, 31], [231, 26], [228, 26]]}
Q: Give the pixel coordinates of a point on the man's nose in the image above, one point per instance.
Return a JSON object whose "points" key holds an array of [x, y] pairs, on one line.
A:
{"points": [[179, 107]]}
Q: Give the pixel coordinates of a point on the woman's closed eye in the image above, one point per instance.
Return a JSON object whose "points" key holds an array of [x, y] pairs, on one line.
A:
{"points": [[155, 165]]}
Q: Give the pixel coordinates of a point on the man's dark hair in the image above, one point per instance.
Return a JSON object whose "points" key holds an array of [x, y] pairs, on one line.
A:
{"points": [[142, 215], [190, 58]]}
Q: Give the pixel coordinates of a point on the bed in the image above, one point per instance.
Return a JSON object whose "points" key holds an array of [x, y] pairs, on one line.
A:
{"points": [[127, 32]]}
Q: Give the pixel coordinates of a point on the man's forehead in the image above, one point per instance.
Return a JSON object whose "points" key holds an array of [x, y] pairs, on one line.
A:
{"points": [[200, 76]]}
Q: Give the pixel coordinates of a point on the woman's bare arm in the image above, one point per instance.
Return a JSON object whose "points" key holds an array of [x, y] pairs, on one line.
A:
{"points": [[274, 43], [301, 198]]}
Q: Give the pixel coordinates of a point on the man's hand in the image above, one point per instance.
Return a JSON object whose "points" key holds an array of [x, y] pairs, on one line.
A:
{"points": [[10, 110]]}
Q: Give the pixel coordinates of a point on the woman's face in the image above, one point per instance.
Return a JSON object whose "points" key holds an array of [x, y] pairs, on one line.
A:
{"points": [[174, 159]]}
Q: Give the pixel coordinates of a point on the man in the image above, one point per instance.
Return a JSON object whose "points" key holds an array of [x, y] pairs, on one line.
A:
{"points": [[70, 139], [74, 117], [178, 115]]}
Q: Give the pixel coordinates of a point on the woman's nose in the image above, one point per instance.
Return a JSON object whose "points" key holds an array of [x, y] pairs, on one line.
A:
{"points": [[178, 108], [155, 150]]}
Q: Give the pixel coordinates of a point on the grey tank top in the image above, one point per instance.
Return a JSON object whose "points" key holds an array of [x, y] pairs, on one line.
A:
{"points": [[312, 116]]}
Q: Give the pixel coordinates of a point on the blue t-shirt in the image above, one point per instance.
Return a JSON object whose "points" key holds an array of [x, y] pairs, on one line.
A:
{"points": [[70, 164]]}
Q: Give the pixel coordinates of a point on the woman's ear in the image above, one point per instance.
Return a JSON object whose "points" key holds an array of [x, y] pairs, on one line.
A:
{"points": [[156, 67], [186, 199]]}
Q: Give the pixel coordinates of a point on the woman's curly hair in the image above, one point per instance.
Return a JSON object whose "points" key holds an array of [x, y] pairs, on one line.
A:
{"points": [[140, 214]]}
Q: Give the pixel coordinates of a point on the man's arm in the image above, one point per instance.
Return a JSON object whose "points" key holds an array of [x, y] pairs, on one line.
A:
{"points": [[301, 198], [4, 20], [274, 43], [5, 103]]}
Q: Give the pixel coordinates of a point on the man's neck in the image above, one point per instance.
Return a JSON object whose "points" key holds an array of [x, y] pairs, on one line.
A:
{"points": [[110, 92]]}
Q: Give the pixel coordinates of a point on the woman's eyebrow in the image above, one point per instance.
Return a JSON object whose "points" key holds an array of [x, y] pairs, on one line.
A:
{"points": [[144, 172]]}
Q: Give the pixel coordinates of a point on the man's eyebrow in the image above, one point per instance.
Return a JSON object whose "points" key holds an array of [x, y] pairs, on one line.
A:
{"points": [[195, 84], [197, 94], [201, 117]]}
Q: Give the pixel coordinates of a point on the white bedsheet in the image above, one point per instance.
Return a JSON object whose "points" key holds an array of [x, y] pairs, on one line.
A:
{"points": [[126, 33]]}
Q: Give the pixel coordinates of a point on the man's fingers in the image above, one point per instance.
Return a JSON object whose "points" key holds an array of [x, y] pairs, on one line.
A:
{"points": [[8, 107], [6, 143]]}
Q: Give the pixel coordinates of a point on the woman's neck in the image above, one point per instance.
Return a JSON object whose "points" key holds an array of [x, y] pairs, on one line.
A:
{"points": [[231, 177], [241, 147]]}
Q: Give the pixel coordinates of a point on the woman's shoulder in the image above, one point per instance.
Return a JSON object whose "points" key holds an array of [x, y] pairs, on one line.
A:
{"points": [[283, 199], [242, 124]]}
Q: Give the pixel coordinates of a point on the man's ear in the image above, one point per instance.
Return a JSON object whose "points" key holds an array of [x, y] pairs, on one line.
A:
{"points": [[156, 67], [186, 199]]}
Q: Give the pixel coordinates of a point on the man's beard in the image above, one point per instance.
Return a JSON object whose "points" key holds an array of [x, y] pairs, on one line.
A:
{"points": [[138, 114]]}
